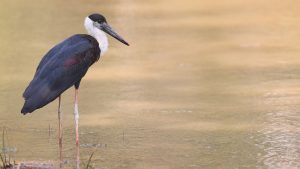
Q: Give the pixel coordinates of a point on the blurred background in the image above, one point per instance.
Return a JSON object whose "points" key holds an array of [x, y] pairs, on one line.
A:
{"points": [[204, 84]]}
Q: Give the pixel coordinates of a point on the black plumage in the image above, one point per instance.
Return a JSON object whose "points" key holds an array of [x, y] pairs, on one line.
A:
{"points": [[62, 67]]}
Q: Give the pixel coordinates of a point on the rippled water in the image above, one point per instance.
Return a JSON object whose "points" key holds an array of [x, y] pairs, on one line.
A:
{"points": [[204, 84]]}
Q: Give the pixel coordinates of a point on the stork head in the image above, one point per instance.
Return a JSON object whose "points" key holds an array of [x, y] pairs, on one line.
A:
{"points": [[96, 24]]}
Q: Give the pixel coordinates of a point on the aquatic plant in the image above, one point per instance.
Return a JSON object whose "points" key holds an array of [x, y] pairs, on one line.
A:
{"points": [[88, 165], [4, 157]]}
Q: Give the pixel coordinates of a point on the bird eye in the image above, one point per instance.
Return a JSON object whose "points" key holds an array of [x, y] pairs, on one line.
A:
{"points": [[96, 24]]}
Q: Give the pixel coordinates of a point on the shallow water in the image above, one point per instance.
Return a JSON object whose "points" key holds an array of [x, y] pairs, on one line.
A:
{"points": [[203, 85]]}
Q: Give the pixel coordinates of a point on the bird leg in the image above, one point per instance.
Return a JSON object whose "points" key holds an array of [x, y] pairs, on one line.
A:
{"points": [[60, 131], [76, 116]]}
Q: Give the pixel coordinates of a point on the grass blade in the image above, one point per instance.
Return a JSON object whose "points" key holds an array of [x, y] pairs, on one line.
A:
{"points": [[3, 149], [90, 159], [2, 160]]}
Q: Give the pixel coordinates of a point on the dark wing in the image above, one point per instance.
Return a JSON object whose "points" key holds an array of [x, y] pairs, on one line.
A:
{"points": [[61, 68]]}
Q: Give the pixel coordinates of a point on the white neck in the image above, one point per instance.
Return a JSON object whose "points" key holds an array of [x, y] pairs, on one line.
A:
{"points": [[98, 34]]}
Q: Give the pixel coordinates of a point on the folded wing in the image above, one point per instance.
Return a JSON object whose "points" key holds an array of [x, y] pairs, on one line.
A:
{"points": [[62, 67]]}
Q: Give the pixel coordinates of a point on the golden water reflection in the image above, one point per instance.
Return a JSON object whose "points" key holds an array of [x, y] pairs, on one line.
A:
{"points": [[204, 84]]}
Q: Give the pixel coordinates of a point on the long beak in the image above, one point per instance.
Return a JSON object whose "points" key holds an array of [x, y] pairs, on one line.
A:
{"points": [[106, 28]]}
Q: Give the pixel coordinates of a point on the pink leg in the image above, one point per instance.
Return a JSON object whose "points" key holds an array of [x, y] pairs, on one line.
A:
{"points": [[76, 115], [60, 132]]}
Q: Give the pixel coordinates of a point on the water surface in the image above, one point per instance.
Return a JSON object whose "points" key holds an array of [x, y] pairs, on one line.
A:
{"points": [[203, 85]]}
